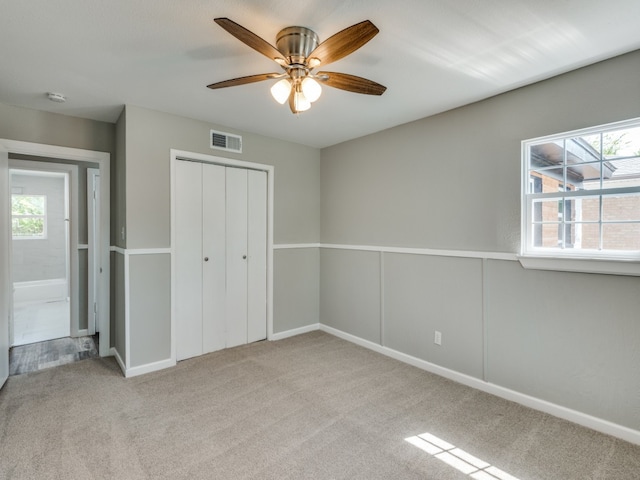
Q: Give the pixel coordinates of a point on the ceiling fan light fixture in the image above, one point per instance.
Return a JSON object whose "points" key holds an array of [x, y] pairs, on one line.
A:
{"points": [[300, 102], [311, 89], [281, 90], [298, 52]]}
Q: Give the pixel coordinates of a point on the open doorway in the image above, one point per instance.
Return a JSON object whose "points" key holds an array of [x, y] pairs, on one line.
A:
{"points": [[55, 261], [40, 255], [18, 150]]}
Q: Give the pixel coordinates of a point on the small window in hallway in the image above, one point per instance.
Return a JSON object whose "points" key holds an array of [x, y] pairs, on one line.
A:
{"points": [[29, 216]]}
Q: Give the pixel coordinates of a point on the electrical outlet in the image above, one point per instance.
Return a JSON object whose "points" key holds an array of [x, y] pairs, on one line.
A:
{"points": [[437, 338]]}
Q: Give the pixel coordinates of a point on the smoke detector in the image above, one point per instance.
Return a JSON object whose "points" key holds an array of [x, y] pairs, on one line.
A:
{"points": [[56, 97]]}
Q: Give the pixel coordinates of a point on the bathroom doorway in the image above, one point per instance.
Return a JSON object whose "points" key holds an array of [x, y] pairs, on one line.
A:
{"points": [[44, 256]]}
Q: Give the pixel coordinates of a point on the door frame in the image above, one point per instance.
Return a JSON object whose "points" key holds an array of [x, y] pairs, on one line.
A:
{"points": [[182, 155], [103, 159], [93, 250], [5, 288], [72, 261]]}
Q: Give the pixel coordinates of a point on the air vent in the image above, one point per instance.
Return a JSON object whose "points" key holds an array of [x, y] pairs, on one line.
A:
{"points": [[226, 141]]}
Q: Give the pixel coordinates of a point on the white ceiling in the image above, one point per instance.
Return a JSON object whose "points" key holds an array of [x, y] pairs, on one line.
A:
{"points": [[433, 55]]}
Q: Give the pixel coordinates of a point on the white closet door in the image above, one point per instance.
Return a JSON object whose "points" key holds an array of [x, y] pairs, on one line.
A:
{"points": [[236, 318], [257, 256], [214, 258], [188, 264]]}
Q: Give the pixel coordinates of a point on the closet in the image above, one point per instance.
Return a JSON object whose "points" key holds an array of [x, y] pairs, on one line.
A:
{"points": [[221, 257]]}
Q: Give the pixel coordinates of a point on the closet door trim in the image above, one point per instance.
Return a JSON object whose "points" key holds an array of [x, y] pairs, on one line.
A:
{"points": [[181, 155]]}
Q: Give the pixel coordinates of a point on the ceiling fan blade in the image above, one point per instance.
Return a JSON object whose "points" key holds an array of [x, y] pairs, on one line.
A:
{"points": [[249, 38], [244, 80], [351, 83], [344, 42]]}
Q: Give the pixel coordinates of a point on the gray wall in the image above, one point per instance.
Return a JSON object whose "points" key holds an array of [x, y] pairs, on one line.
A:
{"points": [[42, 258], [150, 297], [452, 181], [24, 124], [296, 295], [118, 334], [148, 138]]}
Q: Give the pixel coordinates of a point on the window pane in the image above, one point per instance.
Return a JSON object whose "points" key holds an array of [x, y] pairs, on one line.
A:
{"points": [[621, 208], [621, 143], [593, 141], [27, 204], [621, 236], [582, 209], [547, 235], [546, 181], [547, 210], [547, 229], [583, 149], [546, 154], [585, 176], [27, 227], [587, 236], [621, 173]]}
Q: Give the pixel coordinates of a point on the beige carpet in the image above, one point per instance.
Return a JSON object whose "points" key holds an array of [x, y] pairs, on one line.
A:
{"points": [[308, 407]]}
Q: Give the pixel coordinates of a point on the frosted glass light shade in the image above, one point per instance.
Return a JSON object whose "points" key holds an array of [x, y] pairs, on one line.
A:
{"points": [[300, 102], [281, 90], [311, 89]]}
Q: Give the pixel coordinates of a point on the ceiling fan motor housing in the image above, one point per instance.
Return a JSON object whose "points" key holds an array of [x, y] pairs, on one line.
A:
{"points": [[296, 43]]}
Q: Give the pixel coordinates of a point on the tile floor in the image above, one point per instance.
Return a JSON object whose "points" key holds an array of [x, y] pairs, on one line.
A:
{"points": [[41, 355]]}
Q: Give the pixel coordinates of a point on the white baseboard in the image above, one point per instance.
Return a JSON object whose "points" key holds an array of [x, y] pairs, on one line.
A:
{"points": [[598, 424], [294, 332], [149, 367], [121, 364]]}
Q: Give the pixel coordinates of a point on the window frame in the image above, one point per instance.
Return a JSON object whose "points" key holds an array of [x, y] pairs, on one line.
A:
{"points": [[569, 259], [43, 217]]}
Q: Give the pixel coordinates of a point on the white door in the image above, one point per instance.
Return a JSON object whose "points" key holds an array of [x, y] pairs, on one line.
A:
{"points": [[213, 252], [221, 255], [4, 273], [236, 257], [257, 256], [188, 263], [246, 256]]}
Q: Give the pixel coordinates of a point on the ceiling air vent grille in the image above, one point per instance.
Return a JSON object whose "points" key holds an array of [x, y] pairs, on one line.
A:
{"points": [[226, 141]]}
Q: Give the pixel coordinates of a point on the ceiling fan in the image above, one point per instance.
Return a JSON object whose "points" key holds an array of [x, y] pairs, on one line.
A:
{"points": [[298, 51]]}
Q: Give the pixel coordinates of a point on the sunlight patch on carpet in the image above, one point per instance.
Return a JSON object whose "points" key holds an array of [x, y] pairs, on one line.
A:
{"points": [[457, 458]]}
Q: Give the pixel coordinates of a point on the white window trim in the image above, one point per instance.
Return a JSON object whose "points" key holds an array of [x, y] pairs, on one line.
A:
{"points": [[585, 261]]}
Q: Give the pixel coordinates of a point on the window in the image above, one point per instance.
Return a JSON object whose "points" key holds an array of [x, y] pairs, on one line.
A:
{"points": [[29, 216], [581, 193]]}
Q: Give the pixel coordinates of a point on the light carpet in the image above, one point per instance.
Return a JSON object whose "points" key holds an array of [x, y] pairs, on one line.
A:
{"points": [[307, 407]]}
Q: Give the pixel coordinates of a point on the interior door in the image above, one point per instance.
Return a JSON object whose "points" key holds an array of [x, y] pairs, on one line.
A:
{"points": [[214, 258], [188, 264], [236, 318], [5, 290], [257, 256]]}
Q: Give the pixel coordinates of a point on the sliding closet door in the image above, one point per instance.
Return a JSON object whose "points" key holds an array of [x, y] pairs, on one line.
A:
{"points": [[188, 263], [236, 257], [257, 256], [214, 258]]}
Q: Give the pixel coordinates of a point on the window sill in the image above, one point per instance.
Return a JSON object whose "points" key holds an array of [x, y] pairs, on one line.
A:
{"points": [[581, 265]]}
